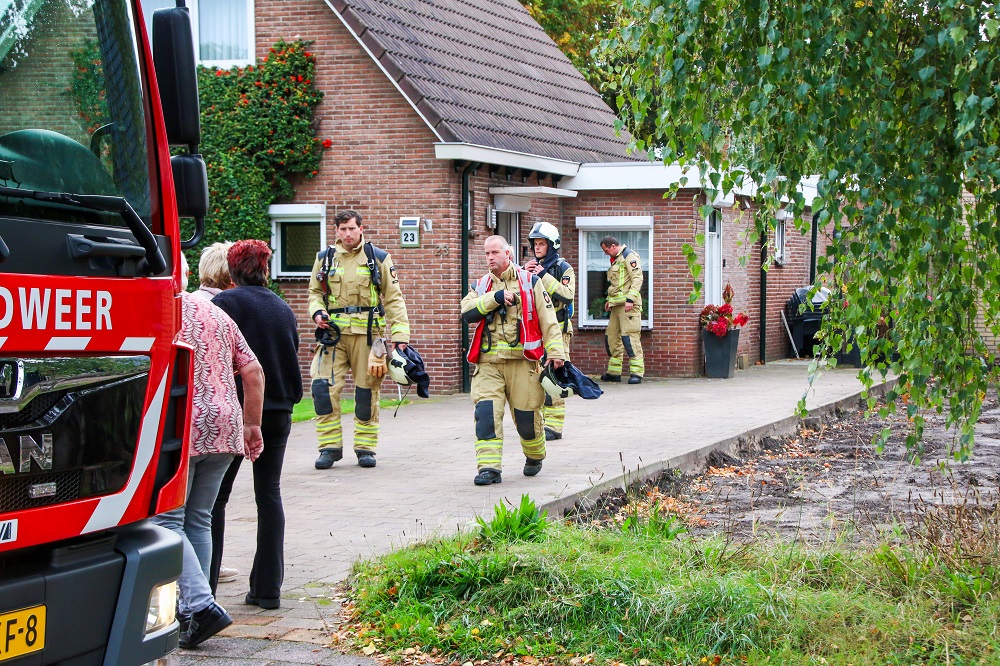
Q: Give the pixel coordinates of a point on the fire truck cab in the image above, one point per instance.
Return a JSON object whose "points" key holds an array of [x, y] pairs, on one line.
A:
{"points": [[94, 397]]}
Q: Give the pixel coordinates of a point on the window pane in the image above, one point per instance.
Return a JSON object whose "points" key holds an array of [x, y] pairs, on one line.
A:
{"points": [[148, 7], [299, 244], [222, 30], [71, 115], [598, 264]]}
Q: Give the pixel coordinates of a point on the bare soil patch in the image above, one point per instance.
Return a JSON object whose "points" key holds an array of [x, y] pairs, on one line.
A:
{"points": [[826, 483]]}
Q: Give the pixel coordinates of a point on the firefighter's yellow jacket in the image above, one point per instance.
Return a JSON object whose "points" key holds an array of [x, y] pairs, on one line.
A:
{"points": [[625, 279], [351, 286], [501, 339]]}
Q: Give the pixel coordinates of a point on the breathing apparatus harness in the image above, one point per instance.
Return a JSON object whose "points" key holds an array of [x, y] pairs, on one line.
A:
{"points": [[329, 337]]}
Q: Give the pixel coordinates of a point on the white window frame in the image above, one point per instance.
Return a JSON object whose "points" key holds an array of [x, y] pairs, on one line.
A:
{"points": [[712, 281], [610, 224], [281, 214], [781, 237], [222, 64]]}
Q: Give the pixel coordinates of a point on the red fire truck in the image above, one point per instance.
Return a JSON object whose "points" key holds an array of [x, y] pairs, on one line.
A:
{"points": [[94, 393]]}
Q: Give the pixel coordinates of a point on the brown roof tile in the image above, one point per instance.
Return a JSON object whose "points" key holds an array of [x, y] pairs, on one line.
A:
{"points": [[484, 72]]}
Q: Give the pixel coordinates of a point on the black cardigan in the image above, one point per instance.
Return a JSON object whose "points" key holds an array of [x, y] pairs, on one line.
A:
{"points": [[269, 326]]}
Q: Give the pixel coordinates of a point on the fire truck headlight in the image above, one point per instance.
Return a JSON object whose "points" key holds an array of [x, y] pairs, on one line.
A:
{"points": [[162, 608]]}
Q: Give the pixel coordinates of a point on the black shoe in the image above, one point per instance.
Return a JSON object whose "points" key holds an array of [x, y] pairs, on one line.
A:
{"points": [[487, 477], [366, 459], [203, 625], [267, 604], [635, 379], [532, 466], [551, 434], [610, 378], [327, 457], [184, 621]]}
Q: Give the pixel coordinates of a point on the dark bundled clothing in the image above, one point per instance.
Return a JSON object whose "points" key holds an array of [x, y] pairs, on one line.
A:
{"points": [[550, 260], [415, 370], [269, 327]]}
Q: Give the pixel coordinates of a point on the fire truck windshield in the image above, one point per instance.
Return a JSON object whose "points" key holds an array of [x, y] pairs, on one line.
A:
{"points": [[71, 109]]}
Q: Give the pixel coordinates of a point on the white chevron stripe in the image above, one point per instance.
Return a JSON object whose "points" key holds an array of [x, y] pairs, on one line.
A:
{"points": [[110, 509], [2, 340], [138, 344], [67, 344]]}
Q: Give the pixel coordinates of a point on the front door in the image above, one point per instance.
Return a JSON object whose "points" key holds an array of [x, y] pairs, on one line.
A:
{"points": [[507, 226], [713, 259]]}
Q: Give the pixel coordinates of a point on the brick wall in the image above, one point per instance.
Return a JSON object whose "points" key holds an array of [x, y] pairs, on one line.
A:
{"points": [[381, 164], [672, 347]]}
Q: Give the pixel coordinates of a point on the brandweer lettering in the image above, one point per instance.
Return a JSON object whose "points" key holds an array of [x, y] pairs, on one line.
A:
{"points": [[58, 309]]}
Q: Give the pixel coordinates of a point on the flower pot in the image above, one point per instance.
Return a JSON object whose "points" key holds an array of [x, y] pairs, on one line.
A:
{"points": [[720, 353]]}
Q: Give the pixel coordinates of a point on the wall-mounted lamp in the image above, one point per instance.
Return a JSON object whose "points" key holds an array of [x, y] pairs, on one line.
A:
{"points": [[784, 214], [491, 217], [723, 200], [428, 224]]}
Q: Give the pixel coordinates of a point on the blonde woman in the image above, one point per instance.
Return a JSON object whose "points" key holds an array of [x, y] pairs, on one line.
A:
{"points": [[213, 271]]}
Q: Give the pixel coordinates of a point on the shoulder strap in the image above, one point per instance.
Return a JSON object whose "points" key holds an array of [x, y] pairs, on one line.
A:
{"points": [[376, 256], [326, 256], [482, 284], [627, 252]]}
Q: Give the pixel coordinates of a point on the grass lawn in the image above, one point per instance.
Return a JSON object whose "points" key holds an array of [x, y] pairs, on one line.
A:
{"points": [[304, 410], [519, 591]]}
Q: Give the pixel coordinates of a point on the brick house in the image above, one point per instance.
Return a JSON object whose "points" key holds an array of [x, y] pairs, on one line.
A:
{"points": [[455, 119]]}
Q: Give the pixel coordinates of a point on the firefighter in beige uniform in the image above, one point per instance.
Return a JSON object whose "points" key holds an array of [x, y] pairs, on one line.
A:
{"points": [[353, 290], [516, 328], [624, 302], [559, 280]]}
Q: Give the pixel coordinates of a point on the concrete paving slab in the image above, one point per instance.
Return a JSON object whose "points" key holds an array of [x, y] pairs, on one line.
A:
{"points": [[422, 486]]}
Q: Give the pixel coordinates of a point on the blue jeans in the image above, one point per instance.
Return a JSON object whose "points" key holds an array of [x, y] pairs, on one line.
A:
{"points": [[193, 522]]}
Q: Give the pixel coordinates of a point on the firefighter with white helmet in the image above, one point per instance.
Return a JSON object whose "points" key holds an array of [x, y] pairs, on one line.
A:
{"points": [[516, 329], [559, 281]]}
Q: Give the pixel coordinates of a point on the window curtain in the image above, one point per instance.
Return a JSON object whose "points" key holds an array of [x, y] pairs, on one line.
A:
{"points": [[222, 30]]}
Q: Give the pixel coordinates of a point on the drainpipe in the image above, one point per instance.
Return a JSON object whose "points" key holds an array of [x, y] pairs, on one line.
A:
{"points": [[763, 299], [464, 277], [812, 254]]}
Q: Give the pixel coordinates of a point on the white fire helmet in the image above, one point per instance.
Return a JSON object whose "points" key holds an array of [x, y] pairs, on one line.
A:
{"points": [[546, 231], [554, 383], [397, 368]]}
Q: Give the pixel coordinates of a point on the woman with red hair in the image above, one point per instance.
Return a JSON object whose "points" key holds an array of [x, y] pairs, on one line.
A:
{"points": [[269, 327]]}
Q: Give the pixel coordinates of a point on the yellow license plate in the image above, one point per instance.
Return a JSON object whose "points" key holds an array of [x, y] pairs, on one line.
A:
{"points": [[22, 632]]}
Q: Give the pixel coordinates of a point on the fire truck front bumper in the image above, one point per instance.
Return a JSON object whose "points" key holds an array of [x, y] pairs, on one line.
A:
{"points": [[106, 599]]}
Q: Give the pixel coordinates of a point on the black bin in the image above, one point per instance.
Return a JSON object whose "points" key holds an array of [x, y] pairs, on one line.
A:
{"points": [[805, 324]]}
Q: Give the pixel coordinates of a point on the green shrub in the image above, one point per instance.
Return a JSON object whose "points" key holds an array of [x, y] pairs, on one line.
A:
{"points": [[258, 139], [524, 523]]}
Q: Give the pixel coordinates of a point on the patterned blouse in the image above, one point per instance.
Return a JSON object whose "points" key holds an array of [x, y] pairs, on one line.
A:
{"points": [[220, 350]]}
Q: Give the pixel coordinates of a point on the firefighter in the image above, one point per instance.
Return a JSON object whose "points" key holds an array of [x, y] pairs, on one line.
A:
{"points": [[353, 290], [516, 329], [624, 303], [559, 280]]}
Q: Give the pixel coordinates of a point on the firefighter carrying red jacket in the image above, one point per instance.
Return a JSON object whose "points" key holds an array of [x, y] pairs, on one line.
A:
{"points": [[516, 328]]}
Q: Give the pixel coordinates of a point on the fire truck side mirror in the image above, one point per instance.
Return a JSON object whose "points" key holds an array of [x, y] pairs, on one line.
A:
{"points": [[191, 186], [174, 60]]}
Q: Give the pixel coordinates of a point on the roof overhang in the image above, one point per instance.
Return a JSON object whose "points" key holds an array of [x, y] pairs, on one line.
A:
{"points": [[656, 176], [470, 152], [539, 192]]}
